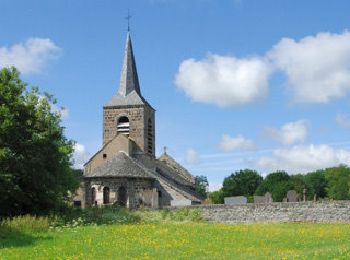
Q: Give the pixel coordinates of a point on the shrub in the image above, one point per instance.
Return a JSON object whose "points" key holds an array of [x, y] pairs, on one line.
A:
{"points": [[195, 215], [26, 223]]}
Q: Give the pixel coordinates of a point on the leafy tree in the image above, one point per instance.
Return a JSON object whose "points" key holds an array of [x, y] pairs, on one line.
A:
{"points": [[271, 181], [338, 182], [298, 184], [315, 183], [217, 197], [241, 183], [280, 190], [35, 156], [202, 185]]}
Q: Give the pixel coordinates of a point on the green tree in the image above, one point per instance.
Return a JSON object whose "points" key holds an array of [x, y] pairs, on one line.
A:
{"points": [[315, 183], [271, 181], [338, 182], [241, 183], [216, 197], [202, 185], [35, 156], [277, 183]]}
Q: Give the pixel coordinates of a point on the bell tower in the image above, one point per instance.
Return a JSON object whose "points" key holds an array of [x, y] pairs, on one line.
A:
{"points": [[127, 112]]}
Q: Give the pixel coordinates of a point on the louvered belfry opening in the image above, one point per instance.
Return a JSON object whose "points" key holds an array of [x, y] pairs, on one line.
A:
{"points": [[150, 137], [123, 125]]}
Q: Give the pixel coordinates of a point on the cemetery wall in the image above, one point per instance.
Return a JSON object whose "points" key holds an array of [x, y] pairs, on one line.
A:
{"points": [[277, 212]]}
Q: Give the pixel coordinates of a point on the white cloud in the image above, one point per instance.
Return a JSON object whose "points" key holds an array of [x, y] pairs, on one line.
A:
{"points": [[304, 158], [317, 67], [80, 155], [224, 80], [214, 186], [229, 144], [289, 133], [191, 156], [31, 56], [343, 120]]}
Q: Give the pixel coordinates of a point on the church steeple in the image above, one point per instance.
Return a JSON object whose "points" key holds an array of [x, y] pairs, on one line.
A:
{"points": [[127, 112], [129, 80]]}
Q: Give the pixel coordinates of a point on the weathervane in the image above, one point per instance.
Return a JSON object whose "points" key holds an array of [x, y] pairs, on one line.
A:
{"points": [[128, 17]]}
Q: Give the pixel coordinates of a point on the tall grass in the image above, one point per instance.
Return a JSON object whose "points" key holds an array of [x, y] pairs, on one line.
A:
{"points": [[26, 223]]}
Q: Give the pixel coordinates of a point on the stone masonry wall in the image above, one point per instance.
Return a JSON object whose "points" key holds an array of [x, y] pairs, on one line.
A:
{"points": [[318, 212], [138, 117]]}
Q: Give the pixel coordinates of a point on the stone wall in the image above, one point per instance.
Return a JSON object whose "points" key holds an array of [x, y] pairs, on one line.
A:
{"points": [[138, 118], [319, 212], [139, 191]]}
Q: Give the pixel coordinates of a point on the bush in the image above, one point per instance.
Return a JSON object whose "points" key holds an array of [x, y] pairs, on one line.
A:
{"points": [[26, 223], [106, 215]]}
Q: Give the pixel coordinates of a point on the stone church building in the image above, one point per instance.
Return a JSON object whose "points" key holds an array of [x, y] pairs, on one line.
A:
{"points": [[125, 170]]}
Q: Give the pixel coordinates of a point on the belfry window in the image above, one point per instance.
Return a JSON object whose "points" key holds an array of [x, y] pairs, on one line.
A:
{"points": [[123, 125], [150, 137]]}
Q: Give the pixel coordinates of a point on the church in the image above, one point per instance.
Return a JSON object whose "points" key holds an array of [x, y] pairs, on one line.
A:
{"points": [[125, 170]]}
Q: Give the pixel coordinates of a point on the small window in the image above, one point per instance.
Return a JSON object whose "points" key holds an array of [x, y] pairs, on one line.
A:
{"points": [[104, 156]]}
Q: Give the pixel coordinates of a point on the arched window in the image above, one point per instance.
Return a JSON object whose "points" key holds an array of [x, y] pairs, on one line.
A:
{"points": [[105, 195], [123, 125], [93, 196], [122, 196], [150, 137]]}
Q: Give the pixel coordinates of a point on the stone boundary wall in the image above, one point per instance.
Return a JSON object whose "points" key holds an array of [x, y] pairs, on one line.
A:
{"points": [[276, 212]]}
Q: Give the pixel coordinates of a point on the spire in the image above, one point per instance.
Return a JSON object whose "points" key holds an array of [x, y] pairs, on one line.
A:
{"points": [[129, 80]]}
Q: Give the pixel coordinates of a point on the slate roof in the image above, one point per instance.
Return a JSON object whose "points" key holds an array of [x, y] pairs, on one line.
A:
{"points": [[170, 162], [120, 165], [129, 93]]}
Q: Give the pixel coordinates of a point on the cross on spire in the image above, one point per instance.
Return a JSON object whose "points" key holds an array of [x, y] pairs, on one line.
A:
{"points": [[165, 148], [128, 17]]}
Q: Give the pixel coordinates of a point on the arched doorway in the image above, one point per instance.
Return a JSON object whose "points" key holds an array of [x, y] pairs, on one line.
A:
{"points": [[105, 195], [122, 196], [93, 196]]}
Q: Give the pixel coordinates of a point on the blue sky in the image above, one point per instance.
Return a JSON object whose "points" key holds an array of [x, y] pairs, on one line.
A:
{"points": [[236, 83]]}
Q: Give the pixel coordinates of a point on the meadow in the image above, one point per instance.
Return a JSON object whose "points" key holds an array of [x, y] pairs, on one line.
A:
{"points": [[177, 240]]}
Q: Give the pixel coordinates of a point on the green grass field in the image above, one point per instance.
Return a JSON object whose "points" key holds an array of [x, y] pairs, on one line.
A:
{"points": [[182, 241]]}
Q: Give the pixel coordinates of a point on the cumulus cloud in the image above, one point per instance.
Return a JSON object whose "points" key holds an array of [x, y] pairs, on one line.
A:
{"points": [[191, 156], [80, 156], [224, 80], [304, 158], [317, 67], [289, 133], [229, 144], [343, 120], [31, 56]]}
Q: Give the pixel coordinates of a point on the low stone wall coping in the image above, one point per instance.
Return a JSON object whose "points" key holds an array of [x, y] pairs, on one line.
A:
{"points": [[319, 212]]}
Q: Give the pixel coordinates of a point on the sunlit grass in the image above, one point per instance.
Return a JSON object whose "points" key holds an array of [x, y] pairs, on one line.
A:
{"points": [[183, 241]]}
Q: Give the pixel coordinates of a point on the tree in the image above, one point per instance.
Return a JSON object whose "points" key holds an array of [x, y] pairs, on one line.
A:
{"points": [[35, 156], [241, 183], [338, 182], [315, 183], [216, 197], [202, 185], [271, 181]]}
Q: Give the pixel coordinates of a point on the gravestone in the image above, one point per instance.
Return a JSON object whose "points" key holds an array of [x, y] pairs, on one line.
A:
{"points": [[292, 196], [235, 200], [259, 199], [268, 197]]}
